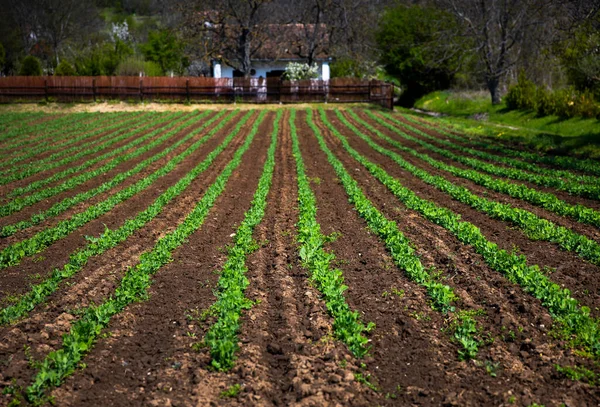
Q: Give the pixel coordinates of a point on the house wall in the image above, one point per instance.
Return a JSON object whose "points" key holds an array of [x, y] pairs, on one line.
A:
{"points": [[262, 68]]}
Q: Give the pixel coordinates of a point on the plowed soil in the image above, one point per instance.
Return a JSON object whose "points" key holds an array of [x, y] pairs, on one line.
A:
{"points": [[151, 353]]}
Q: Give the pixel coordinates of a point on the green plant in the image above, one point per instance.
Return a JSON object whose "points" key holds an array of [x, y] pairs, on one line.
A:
{"points": [[133, 286], [330, 282], [64, 68], [221, 337], [111, 238], [30, 66], [232, 391]]}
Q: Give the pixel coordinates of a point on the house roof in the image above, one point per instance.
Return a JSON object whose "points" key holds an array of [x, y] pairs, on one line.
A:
{"points": [[288, 42]]}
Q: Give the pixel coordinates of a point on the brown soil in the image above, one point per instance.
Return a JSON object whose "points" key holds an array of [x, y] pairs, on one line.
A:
{"points": [[565, 196], [27, 212], [288, 352], [16, 279]]}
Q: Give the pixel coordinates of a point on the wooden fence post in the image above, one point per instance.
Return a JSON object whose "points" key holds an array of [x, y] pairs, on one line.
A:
{"points": [[187, 89], [141, 90], [46, 89], [94, 89]]}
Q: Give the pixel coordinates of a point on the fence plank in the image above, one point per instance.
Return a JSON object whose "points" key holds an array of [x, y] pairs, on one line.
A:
{"points": [[210, 90]]}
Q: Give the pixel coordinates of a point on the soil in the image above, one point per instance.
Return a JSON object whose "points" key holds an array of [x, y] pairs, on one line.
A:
{"points": [[289, 354]]}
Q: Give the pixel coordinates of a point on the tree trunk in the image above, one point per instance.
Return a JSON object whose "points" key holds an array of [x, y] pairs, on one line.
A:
{"points": [[493, 85]]}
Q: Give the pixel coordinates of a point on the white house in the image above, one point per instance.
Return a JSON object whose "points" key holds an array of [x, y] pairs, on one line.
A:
{"points": [[284, 44]]}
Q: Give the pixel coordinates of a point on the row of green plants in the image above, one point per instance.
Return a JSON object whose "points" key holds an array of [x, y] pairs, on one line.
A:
{"points": [[347, 325], [29, 146], [565, 103], [132, 288], [9, 119], [110, 238], [14, 253], [574, 188], [399, 246], [59, 132], [575, 321], [73, 134], [512, 162], [571, 163], [160, 120], [222, 337], [533, 226], [19, 203], [40, 163], [121, 133], [69, 202], [545, 200], [22, 131]]}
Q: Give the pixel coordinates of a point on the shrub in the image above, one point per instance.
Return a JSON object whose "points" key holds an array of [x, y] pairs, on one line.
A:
{"points": [[132, 66], [565, 103], [31, 66], [64, 68], [522, 95]]}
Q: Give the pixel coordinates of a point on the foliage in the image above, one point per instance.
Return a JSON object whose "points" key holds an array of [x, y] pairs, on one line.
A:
{"points": [[559, 140], [133, 66], [565, 103], [533, 226], [221, 337], [103, 59], [134, 285], [19, 203], [166, 50], [347, 324], [413, 50], [577, 324], [544, 199], [31, 66], [64, 68], [111, 238], [296, 71], [580, 55], [347, 67]]}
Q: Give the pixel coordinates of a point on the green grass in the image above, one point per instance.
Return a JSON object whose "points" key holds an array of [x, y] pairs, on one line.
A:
{"points": [[575, 136]]}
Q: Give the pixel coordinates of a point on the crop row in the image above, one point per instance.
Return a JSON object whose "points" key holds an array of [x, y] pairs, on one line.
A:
{"points": [[132, 288], [14, 253], [399, 246], [576, 322], [64, 132], [35, 185], [545, 200], [329, 281], [19, 203], [584, 165], [45, 127], [77, 133], [110, 238], [222, 336], [507, 160], [69, 202], [586, 190], [533, 226], [121, 131]]}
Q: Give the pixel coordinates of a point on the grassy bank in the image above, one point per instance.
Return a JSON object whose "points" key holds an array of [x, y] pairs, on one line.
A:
{"points": [[473, 112]]}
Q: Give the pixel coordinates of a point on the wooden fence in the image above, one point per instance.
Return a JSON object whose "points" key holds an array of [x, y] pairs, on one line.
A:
{"points": [[198, 90]]}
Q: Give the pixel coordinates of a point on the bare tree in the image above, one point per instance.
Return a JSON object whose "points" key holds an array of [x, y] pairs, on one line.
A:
{"points": [[51, 21], [230, 30], [497, 29]]}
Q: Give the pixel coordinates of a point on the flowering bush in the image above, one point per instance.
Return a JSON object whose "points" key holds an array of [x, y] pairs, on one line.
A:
{"points": [[297, 71]]}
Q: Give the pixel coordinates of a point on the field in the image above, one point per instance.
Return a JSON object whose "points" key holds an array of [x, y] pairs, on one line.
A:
{"points": [[310, 257]]}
